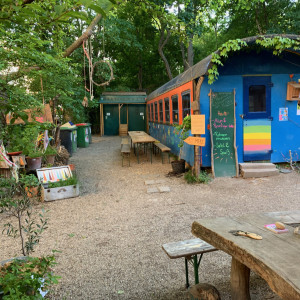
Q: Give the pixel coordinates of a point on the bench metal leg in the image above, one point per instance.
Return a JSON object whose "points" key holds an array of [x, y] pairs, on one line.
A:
{"points": [[186, 273], [196, 264]]}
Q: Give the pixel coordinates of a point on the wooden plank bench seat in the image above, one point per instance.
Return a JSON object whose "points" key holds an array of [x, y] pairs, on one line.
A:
{"points": [[163, 149], [125, 141], [125, 151], [189, 249]]}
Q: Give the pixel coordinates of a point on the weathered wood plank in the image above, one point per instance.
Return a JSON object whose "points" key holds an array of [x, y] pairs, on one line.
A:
{"points": [[162, 147], [275, 258], [187, 248], [125, 148]]}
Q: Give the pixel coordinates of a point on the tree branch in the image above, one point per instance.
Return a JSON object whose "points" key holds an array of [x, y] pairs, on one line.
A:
{"points": [[83, 37]]}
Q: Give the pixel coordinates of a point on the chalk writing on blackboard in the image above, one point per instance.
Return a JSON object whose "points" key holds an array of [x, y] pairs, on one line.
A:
{"points": [[222, 134]]}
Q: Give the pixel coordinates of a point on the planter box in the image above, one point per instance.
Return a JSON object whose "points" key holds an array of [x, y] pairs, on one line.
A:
{"points": [[58, 193]]}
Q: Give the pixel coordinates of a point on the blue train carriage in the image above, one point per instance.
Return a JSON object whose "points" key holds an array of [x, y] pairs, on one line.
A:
{"points": [[266, 93]]}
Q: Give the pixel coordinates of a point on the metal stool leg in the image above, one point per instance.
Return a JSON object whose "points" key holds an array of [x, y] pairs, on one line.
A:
{"points": [[186, 273]]}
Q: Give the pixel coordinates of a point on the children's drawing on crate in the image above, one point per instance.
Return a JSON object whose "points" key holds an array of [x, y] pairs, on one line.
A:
{"points": [[54, 174]]}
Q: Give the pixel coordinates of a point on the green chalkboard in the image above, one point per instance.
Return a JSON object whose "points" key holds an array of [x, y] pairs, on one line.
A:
{"points": [[222, 126]]}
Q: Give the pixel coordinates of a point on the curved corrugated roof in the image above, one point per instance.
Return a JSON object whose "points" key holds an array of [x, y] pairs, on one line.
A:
{"points": [[202, 67]]}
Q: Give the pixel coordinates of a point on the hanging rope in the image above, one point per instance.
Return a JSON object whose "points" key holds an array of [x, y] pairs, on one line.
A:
{"points": [[92, 68], [42, 91]]}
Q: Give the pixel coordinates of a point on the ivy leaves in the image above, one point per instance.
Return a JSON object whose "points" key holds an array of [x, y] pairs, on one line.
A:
{"points": [[277, 44]]}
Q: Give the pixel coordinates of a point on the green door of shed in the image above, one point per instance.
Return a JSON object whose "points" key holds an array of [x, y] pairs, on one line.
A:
{"points": [[137, 117], [111, 119]]}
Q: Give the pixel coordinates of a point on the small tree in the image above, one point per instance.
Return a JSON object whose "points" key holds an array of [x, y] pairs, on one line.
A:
{"points": [[14, 201]]}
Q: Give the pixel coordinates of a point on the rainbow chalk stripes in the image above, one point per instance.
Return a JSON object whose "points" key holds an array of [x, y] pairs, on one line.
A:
{"points": [[257, 137]]}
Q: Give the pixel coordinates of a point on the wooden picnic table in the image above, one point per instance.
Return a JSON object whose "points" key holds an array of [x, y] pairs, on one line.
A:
{"points": [[276, 258], [140, 137]]}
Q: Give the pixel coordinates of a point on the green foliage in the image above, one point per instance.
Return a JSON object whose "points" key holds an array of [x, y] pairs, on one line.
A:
{"points": [[183, 130], [23, 278], [29, 180], [277, 44], [15, 202], [202, 178], [70, 181], [50, 150]]}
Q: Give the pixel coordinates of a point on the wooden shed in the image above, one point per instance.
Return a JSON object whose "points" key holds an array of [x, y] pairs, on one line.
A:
{"points": [[122, 111]]}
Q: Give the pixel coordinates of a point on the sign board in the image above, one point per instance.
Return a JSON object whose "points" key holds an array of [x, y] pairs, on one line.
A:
{"points": [[54, 174], [198, 124], [222, 124], [196, 141]]}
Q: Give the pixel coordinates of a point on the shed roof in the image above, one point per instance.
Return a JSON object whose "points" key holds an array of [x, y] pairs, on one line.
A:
{"points": [[203, 66], [123, 97]]}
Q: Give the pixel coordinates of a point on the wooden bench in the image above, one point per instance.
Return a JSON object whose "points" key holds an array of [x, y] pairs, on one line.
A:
{"points": [[163, 149], [125, 150], [189, 249], [125, 141]]}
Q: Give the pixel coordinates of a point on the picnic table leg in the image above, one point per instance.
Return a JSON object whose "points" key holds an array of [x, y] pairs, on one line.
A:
{"points": [[239, 278], [137, 152], [151, 149], [186, 273]]}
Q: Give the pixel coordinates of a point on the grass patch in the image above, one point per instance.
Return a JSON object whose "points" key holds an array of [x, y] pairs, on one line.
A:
{"points": [[202, 178]]}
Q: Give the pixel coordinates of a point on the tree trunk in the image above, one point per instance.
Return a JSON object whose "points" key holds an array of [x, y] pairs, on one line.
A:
{"points": [[185, 62], [162, 42], [191, 51], [140, 77]]}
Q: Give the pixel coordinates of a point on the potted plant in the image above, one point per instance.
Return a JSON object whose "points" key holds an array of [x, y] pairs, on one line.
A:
{"points": [[31, 184], [23, 278], [49, 155], [61, 189], [178, 165]]}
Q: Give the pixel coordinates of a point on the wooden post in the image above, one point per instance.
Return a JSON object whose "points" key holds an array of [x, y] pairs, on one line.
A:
{"points": [[239, 278], [211, 137], [234, 142], [197, 111]]}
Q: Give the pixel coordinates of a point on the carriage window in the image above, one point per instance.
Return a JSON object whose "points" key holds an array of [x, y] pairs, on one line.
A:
{"points": [[257, 98], [155, 111], [167, 109], [160, 111], [175, 108], [186, 104], [152, 111]]}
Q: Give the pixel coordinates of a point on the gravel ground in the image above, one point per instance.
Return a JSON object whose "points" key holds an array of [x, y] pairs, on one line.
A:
{"points": [[110, 237]]}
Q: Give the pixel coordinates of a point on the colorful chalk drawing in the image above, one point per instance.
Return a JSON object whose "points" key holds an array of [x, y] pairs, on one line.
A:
{"points": [[257, 137]]}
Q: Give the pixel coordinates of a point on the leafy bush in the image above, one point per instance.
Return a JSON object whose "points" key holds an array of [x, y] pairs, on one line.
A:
{"points": [[202, 178], [24, 278]]}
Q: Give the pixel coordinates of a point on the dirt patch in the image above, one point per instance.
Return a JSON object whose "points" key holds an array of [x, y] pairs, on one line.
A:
{"points": [[110, 237]]}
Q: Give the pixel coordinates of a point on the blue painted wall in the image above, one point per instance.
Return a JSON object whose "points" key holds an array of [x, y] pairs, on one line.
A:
{"points": [[285, 135]]}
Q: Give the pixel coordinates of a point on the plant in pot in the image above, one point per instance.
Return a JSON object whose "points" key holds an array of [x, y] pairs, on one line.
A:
{"points": [[178, 165], [49, 155], [24, 277], [31, 184]]}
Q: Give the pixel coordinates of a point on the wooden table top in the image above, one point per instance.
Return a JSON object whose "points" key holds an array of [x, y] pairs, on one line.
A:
{"points": [[141, 137], [276, 257]]}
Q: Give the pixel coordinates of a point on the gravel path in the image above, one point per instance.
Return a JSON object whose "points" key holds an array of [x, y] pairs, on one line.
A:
{"points": [[111, 236]]}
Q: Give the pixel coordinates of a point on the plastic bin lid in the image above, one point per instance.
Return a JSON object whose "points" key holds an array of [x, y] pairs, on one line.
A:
{"points": [[68, 125], [82, 124]]}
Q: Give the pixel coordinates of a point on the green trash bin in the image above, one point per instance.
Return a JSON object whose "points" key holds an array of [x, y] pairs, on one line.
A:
{"points": [[68, 137], [90, 131], [83, 139]]}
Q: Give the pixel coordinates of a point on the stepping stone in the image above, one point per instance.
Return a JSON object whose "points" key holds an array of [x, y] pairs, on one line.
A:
{"points": [[160, 181], [152, 190], [149, 182], [164, 189]]}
